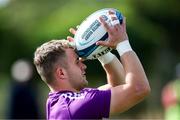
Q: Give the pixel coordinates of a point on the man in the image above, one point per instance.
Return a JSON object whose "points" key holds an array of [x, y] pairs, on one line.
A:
{"points": [[61, 69]]}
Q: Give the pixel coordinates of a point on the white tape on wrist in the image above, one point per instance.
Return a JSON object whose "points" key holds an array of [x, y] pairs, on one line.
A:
{"points": [[123, 47], [107, 58]]}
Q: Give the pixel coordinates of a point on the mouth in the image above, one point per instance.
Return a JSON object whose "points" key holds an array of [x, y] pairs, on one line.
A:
{"points": [[84, 74]]}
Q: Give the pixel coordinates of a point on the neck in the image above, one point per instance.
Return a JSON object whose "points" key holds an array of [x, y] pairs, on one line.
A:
{"points": [[57, 88]]}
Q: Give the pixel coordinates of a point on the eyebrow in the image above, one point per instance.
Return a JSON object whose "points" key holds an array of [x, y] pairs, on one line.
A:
{"points": [[77, 57]]}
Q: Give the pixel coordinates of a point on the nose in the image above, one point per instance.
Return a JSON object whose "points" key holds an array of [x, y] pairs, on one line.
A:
{"points": [[83, 66]]}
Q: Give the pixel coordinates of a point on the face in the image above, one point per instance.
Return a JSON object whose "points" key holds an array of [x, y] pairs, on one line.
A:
{"points": [[76, 70]]}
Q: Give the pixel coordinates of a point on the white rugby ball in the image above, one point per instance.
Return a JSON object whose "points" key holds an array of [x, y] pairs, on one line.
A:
{"points": [[90, 31]]}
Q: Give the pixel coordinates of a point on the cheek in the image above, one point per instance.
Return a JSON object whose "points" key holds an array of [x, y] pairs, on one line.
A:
{"points": [[75, 71], [78, 68]]}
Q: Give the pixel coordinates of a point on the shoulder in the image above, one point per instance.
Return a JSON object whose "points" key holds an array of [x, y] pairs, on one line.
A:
{"points": [[91, 103], [88, 103], [94, 92]]}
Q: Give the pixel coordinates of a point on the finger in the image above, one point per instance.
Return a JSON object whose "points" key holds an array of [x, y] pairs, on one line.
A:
{"points": [[105, 24], [117, 25], [102, 43], [70, 39], [72, 30], [124, 23], [114, 19], [111, 12], [113, 15], [121, 26], [115, 22]]}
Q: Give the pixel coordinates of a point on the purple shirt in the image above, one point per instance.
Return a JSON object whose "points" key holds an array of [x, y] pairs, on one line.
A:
{"points": [[87, 104]]}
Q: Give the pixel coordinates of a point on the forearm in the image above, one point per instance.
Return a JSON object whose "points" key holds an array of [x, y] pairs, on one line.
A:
{"points": [[114, 71], [135, 88], [134, 72], [133, 69], [136, 85]]}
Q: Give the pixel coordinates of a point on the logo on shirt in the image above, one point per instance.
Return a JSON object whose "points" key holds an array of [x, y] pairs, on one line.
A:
{"points": [[73, 96]]}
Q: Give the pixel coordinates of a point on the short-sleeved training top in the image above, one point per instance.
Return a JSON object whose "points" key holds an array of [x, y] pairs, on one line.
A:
{"points": [[89, 103]]}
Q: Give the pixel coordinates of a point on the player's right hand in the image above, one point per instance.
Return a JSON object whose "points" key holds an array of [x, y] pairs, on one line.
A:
{"points": [[117, 33], [72, 31]]}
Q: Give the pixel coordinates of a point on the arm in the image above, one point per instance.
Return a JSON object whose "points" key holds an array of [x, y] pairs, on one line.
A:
{"points": [[136, 85], [114, 71]]}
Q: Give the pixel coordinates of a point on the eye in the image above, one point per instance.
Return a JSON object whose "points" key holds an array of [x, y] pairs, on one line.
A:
{"points": [[77, 60]]}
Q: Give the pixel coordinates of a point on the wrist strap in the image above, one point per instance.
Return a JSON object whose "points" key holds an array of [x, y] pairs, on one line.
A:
{"points": [[107, 58], [123, 47]]}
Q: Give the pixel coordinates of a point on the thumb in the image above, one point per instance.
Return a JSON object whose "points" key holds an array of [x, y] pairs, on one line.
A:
{"points": [[70, 39], [102, 43], [72, 30]]}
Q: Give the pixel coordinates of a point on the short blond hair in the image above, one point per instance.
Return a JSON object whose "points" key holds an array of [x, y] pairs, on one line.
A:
{"points": [[48, 55]]}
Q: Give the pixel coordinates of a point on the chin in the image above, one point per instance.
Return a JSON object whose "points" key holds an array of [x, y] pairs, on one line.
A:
{"points": [[85, 83]]}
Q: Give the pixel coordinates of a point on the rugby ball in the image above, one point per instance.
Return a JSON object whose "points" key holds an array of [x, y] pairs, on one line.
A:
{"points": [[90, 31]]}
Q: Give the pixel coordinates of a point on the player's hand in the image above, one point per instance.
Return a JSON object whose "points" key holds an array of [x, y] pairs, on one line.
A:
{"points": [[73, 31], [71, 39], [117, 32]]}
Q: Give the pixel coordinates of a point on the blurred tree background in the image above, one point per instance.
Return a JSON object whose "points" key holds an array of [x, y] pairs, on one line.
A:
{"points": [[153, 28]]}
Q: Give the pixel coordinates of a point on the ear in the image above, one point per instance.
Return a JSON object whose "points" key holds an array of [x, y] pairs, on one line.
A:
{"points": [[60, 73]]}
